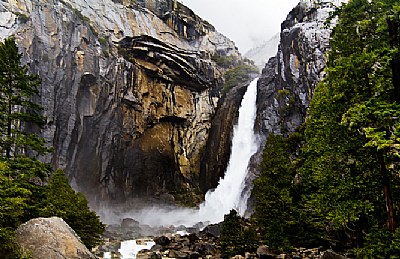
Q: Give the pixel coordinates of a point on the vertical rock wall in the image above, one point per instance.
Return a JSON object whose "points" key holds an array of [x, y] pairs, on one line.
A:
{"points": [[129, 90], [288, 80]]}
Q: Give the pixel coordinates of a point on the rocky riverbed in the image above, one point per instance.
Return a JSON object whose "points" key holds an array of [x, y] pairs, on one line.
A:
{"points": [[198, 241]]}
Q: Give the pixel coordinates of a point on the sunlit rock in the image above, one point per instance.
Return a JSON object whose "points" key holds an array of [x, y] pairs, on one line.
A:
{"points": [[50, 238]]}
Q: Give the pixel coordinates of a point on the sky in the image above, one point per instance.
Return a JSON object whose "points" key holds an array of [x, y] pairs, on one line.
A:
{"points": [[245, 22]]}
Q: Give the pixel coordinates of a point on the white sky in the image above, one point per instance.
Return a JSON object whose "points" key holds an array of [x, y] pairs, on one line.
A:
{"points": [[245, 22]]}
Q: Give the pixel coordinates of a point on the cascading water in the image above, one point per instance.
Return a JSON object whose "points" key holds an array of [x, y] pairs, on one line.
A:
{"points": [[228, 194]]}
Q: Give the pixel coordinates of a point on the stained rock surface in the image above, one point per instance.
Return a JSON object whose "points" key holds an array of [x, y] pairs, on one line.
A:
{"points": [[129, 91]]}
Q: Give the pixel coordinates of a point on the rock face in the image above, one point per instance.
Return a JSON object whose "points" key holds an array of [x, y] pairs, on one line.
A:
{"points": [[128, 87], [50, 238], [289, 79]]}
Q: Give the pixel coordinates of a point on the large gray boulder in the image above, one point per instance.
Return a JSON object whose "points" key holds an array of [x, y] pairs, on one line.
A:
{"points": [[51, 238]]}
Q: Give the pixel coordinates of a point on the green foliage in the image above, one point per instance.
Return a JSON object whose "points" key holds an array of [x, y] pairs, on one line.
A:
{"points": [[351, 132], [278, 213], [237, 237], [18, 111], [62, 201], [14, 205], [238, 75], [225, 61], [9, 249], [380, 244], [272, 188]]}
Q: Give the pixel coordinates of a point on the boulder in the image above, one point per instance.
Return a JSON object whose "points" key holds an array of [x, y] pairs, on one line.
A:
{"points": [[163, 241], [51, 238], [205, 249], [329, 254], [264, 252], [213, 230], [129, 223]]}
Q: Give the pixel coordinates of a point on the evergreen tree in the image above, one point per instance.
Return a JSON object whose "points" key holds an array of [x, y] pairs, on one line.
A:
{"points": [[19, 112], [272, 188], [278, 212], [14, 198], [351, 153], [62, 201], [21, 199], [348, 165], [237, 237]]}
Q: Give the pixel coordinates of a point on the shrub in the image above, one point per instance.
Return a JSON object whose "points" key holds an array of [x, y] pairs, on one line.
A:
{"points": [[62, 201]]}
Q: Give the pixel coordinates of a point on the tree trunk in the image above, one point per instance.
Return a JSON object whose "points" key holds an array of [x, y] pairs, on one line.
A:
{"points": [[388, 193], [9, 129]]}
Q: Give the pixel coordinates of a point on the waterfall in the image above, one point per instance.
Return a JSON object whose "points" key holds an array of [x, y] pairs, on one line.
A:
{"points": [[228, 194]]}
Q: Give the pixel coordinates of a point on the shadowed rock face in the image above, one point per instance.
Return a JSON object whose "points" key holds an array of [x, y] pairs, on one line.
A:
{"points": [[217, 152], [129, 90]]}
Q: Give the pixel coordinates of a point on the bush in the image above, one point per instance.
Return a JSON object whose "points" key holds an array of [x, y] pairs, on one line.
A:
{"points": [[225, 61], [238, 75], [236, 237], [381, 243], [62, 201]]}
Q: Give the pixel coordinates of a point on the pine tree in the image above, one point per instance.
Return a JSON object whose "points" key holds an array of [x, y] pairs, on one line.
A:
{"points": [[237, 237], [14, 199], [351, 156], [20, 198], [349, 161], [278, 213], [62, 201], [19, 113]]}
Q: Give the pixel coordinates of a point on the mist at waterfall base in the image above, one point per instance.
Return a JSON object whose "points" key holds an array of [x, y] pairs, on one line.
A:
{"points": [[229, 192]]}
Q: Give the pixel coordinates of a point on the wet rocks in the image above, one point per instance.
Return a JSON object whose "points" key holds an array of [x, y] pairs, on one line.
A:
{"points": [[329, 254], [265, 253], [188, 246]]}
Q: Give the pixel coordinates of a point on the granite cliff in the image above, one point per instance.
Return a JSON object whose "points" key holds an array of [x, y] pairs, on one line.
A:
{"points": [[129, 90], [288, 80]]}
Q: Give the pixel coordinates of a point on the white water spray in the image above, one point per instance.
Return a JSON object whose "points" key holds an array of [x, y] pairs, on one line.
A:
{"points": [[228, 194]]}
